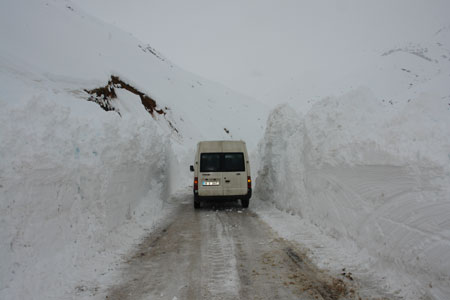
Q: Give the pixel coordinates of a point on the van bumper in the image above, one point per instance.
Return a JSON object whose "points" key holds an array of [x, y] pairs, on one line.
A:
{"points": [[228, 197]]}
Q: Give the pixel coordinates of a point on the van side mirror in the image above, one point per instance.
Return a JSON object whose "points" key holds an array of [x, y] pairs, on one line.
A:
{"points": [[192, 168]]}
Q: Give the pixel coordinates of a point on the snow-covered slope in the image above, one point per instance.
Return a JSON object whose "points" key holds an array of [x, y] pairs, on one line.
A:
{"points": [[372, 166], [394, 72], [79, 52], [77, 183]]}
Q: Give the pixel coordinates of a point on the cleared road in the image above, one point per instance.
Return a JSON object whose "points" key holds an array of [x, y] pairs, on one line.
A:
{"points": [[222, 252]]}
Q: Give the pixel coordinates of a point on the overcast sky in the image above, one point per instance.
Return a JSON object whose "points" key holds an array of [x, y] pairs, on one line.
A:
{"points": [[255, 46]]}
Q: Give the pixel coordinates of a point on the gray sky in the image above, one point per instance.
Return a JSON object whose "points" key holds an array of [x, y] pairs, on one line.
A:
{"points": [[255, 46]]}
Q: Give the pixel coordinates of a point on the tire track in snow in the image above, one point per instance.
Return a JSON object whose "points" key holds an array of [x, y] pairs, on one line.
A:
{"points": [[219, 272]]}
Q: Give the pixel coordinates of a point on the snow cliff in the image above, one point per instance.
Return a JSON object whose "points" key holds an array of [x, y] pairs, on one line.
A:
{"points": [[368, 172]]}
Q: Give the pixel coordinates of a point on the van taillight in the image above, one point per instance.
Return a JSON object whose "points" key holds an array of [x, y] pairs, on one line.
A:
{"points": [[195, 183], [249, 182]]}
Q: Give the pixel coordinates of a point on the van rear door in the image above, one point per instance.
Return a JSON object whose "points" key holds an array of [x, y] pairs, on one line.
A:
{"points": [[210, 181], [234, 174]]}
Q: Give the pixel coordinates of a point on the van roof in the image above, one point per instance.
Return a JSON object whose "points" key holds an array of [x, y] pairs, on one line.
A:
{"points": [[222, 146], [222, 141]]}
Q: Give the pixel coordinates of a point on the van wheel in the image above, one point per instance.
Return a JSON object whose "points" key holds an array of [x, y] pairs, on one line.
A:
{"points": [[196, 202], [245, 202]]}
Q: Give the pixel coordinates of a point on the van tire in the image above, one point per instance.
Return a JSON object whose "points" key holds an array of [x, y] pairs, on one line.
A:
{"points": [[245, 202], [196, 202]]}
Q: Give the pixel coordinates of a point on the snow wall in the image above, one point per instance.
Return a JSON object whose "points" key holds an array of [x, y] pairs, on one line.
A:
{"points": [[70, 174], [368, 171]]}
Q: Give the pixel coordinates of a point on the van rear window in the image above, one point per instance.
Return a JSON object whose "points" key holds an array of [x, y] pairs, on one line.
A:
{"points": [[210, 162], [222, 162], [233, 162]]}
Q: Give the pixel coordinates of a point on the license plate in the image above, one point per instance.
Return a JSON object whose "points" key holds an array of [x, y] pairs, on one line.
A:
{"points": [[210, 183]]}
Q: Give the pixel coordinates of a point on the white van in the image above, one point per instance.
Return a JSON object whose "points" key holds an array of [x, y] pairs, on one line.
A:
{"points": [[222, 171]]}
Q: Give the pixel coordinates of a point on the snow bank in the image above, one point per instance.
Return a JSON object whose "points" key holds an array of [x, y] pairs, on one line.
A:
{"points": [[371, 172], [70, 176]]}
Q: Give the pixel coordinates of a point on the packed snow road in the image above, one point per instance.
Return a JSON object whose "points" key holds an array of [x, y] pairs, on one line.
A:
{"points": [[221, 252]]}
